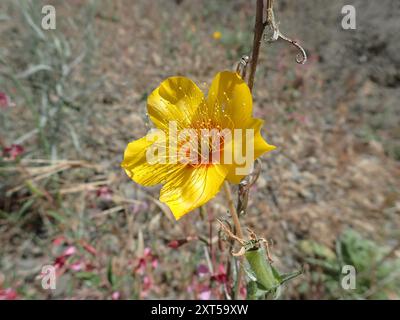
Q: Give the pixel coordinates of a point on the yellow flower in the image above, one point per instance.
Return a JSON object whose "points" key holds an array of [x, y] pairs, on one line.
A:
{"points": [[179, 106], [217, 35]]}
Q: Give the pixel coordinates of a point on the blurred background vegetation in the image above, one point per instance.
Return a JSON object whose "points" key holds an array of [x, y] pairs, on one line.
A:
{"points": [[72, 98]]}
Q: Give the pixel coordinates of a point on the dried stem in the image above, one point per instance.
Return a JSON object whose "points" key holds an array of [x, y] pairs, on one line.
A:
{"points": [[238, 232], [232, 209], [247, 182], [258, 32], [244, 189], [301, 58]]}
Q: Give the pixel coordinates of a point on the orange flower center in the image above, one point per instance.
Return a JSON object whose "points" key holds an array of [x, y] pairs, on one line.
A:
{"points": [[205, 145]]}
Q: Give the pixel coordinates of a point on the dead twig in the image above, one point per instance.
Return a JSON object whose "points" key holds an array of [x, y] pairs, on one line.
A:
{"points": [[253, 242], [270, 22], [244, 188]]}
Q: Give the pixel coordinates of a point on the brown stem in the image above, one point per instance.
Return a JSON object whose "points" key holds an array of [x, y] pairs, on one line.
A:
{"points": [[232, 209], [258, 32], [246, 183], [238, 232]]}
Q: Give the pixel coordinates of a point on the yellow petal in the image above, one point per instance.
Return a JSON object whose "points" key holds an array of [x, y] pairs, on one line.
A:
{"points": [[229, 98], [192, 187], [176, 99], [260, 146], [137, 165]]}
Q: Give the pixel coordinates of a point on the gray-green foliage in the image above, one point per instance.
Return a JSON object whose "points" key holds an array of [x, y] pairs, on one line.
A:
{"points": [[42, 65], [377, 268]]}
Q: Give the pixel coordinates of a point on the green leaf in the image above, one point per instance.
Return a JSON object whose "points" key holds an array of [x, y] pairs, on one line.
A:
{"points": [[110, 275], [314, 249], [56, 216], [289, 276], [91, 279]]}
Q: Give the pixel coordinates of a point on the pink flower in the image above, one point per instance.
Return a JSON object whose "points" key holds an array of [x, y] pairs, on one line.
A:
{"points": [[147, 283], [60, 262], [146, 286], [141, 266], [12, 152], [58, 241], [5, 101], [205, 294], [154, 263], [202, 270], [8, 294], [243, 291], [104, 193], [221, 276], [115, 295], [69, 251], [147, 252], [77, 266], [175, 244], [147, 258], [61, 259]]}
